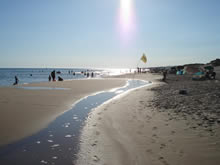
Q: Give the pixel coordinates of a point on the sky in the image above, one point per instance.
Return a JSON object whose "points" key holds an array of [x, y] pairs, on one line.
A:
{"points": [[108, 33]]}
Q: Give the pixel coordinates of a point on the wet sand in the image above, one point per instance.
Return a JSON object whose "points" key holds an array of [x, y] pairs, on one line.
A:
{"points": [[59, 142], [24, 112], [140, 128]]}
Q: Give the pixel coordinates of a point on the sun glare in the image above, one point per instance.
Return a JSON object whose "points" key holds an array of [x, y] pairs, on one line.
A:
{"points": [[126, 9], [127, 22]]}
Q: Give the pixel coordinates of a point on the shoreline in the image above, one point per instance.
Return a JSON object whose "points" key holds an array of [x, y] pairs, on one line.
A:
{"points": [[132, 130], [102, 142], [61, 137], [25, 112]]}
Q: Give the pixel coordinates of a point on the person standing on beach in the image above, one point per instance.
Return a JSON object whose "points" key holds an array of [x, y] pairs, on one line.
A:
{"points": [[16, 80], [53, 75], [49, 78], [164, 75]]}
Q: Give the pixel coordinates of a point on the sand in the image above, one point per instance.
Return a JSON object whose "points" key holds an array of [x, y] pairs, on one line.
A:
{"points": [[151, 125], [136, 129], [24, 112]]}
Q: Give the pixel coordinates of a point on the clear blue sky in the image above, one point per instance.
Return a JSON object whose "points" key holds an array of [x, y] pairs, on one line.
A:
{"points": [[108, 33]]}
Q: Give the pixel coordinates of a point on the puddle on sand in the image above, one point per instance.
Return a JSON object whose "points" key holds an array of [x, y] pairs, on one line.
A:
{"points": [[58, 144]]}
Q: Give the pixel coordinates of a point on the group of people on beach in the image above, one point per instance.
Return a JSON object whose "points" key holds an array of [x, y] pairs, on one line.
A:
{"points": [[208, 75], [87, 74], [52, 76], [139, 70]]}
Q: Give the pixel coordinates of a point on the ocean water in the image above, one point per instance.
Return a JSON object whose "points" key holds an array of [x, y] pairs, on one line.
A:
{"points": [[33, 75]]}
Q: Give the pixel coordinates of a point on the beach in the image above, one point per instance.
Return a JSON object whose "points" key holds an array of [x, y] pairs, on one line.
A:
{"points": [[119, 82], [25, 112], [146, 126], [154, 124]]}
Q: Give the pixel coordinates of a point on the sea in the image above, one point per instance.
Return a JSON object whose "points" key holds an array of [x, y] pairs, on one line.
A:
{"points": [[35, 75]]}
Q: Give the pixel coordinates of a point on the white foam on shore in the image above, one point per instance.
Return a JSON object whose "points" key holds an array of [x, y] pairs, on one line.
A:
{"points": [[119, 91]]}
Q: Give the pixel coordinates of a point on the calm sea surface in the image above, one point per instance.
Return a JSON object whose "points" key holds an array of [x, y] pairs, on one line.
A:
{"points": [[32, 75]]}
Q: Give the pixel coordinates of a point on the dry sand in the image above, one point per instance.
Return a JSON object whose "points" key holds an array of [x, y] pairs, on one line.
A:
{"points": [[135, 130], [24, 112]]}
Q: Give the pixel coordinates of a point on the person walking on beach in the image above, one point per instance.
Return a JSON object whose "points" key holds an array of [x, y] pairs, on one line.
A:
{"points": [[164, 75], [49, 78], [16, 80], [53, 75]]}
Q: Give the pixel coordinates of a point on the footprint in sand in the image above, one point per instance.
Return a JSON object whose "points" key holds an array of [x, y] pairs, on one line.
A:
{"points": [[181, 153], [95, 158], [99, 118], [99, 113], [97, 133], [153, 141], [141, 101], [155, 136], [149, 151], [170, 140], [93, 144], [148, 117], [162, 146], [173, 132], [154, 128], [162, 160]]}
